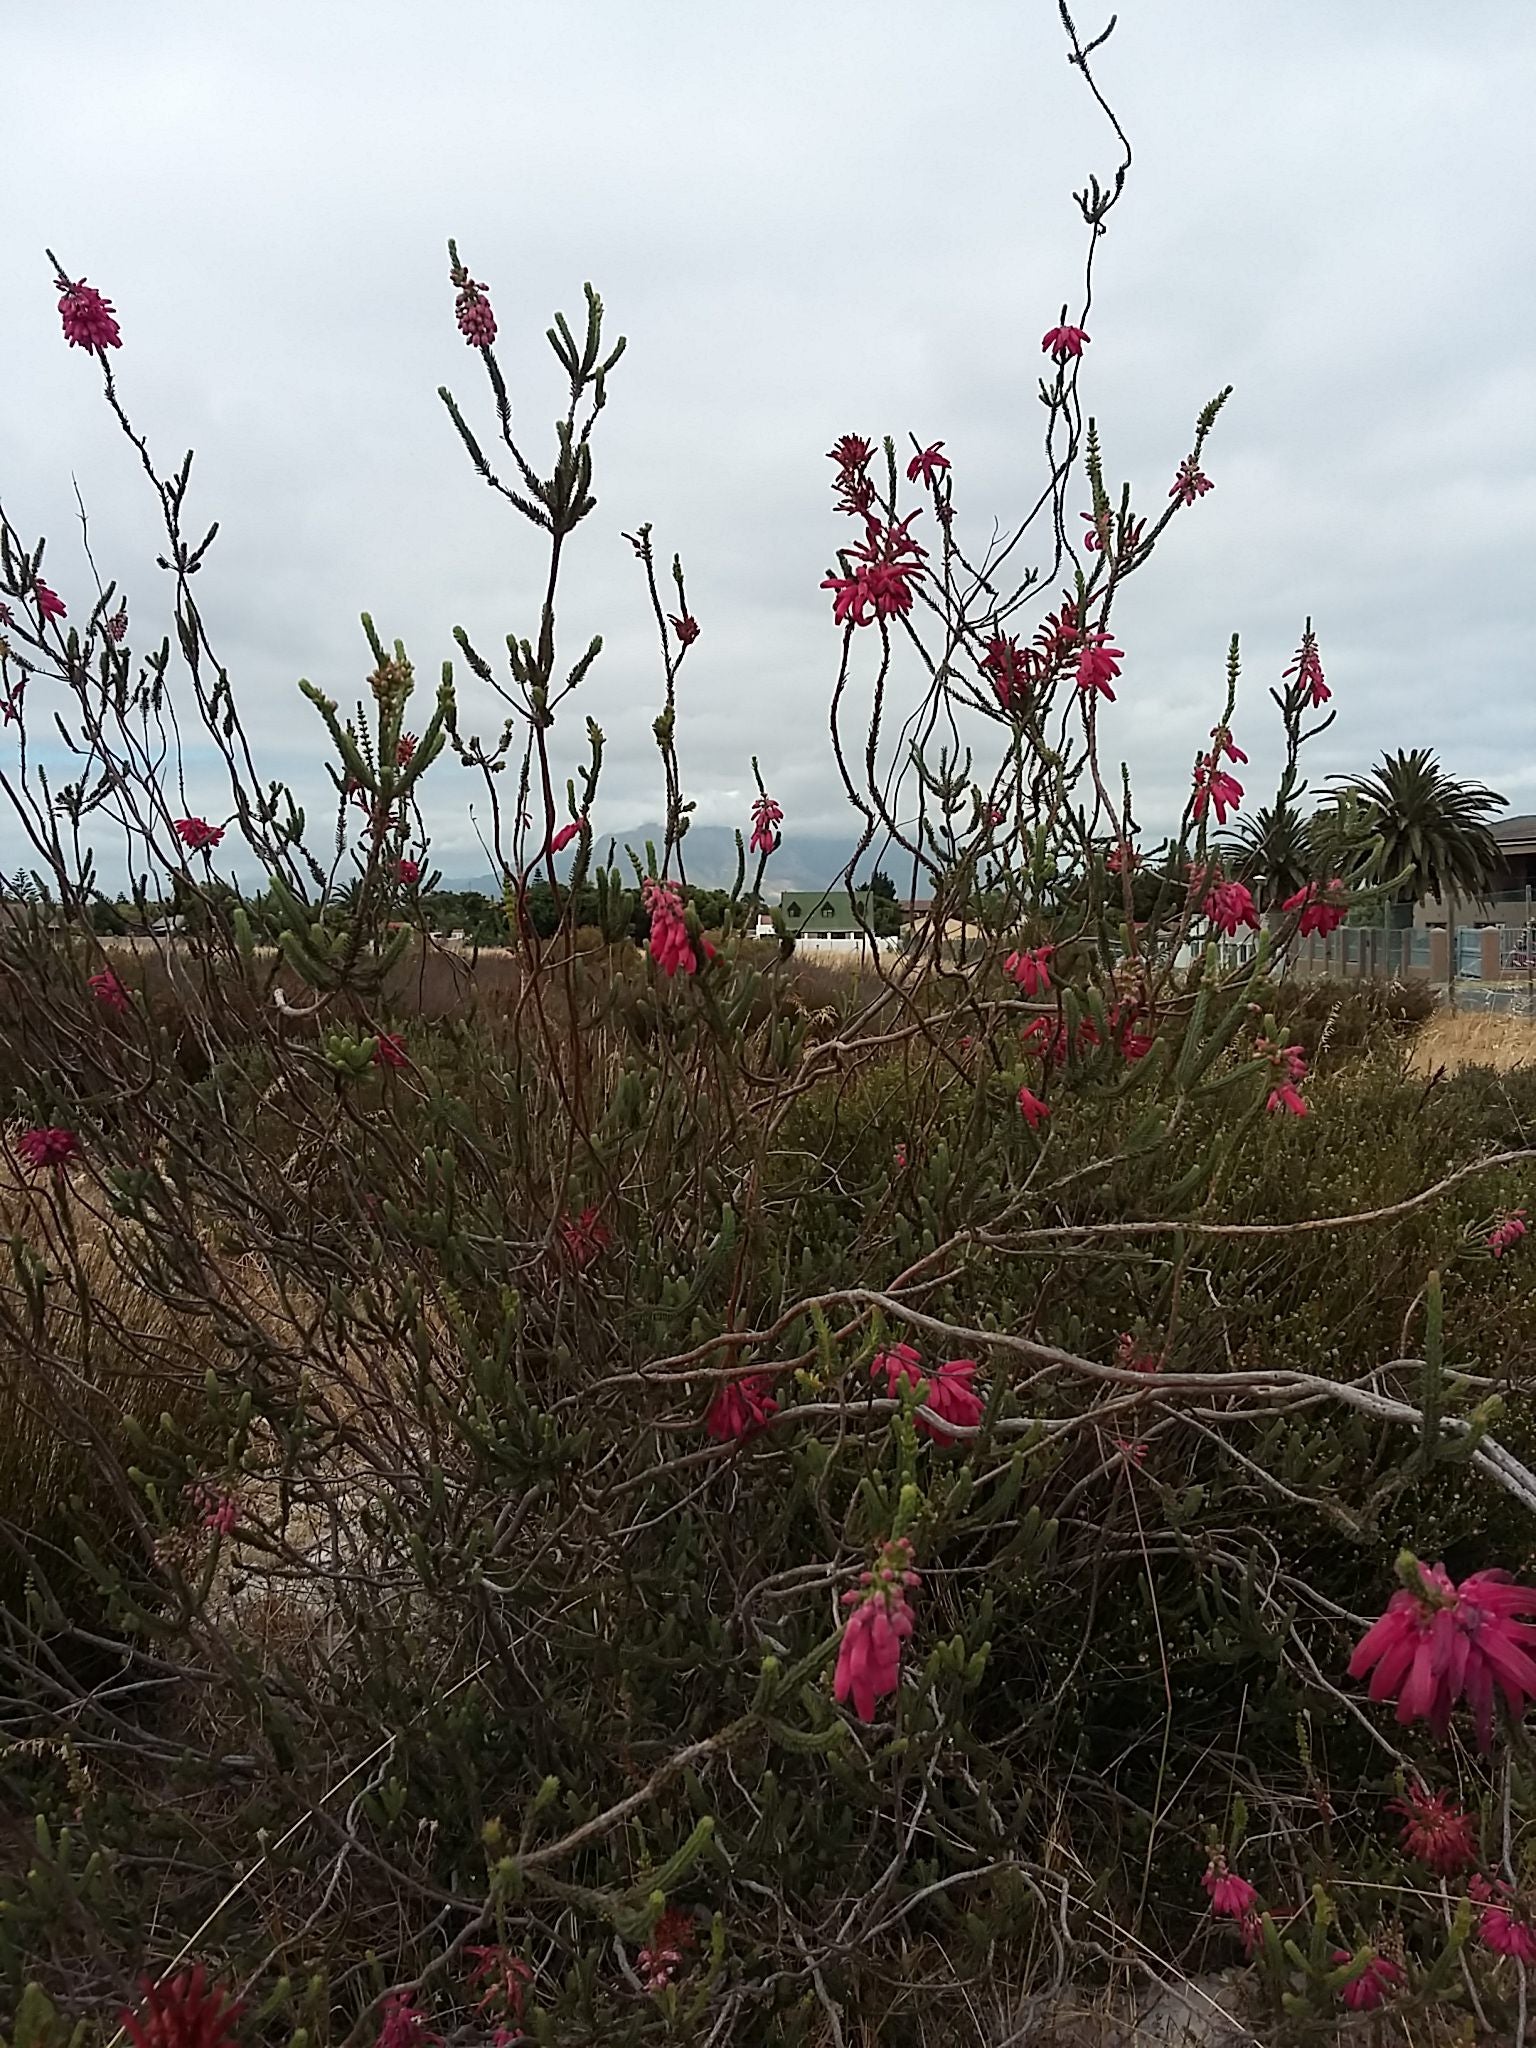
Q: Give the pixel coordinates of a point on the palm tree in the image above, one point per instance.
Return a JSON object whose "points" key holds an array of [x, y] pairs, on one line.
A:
{"points": [[1424, 825]]}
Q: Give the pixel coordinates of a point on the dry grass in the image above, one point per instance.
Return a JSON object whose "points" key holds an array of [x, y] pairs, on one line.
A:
{"points": [[1474, 1038]]}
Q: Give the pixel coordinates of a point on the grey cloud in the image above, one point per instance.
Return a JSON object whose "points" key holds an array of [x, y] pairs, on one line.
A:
{"points": [[806, 220]]}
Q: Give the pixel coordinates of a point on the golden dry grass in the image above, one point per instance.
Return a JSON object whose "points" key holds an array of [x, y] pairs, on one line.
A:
{"points": [[1474, 1038]]}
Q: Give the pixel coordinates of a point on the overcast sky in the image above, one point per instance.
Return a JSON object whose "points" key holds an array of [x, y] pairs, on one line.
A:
{"points": [[807, 220]]}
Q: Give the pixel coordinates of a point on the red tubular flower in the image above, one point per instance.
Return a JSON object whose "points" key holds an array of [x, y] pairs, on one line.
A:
{"points": [[1008, 667], [879, 585], [1130, 1359], [583, 1237], [1058, 634], [197, 835], [215, 1510], [671, 947], [1308, 671], [501, 1978], [1506, 1232], [1290, 1068], [1097, 536], [1063, 342], [1505, 1922], [741, 1408], [405, 748], [185, 2011], [1323, 906], [869, 1655], [89, 321], [927, 464], [767, 817], [389, 1051], [667, 1950], [117, 625], [950, 1394], [48, 1145], [1230, 906], [1031, 970], [1033, 1110], [1191, 482], [1215, 789], [49, 603], [109, 991], [565, 835], [1436, 1831], [1231, 1896], [686, 628], [1098, 664], [1439, 1642], [1371, 1988], [472, 310], [855, 492], [407, 871], [402, 2026]]}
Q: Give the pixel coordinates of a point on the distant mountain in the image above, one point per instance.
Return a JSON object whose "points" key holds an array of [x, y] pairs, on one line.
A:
{"points": [[806, 860]]}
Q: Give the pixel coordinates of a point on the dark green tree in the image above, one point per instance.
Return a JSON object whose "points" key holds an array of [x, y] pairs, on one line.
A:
{"points": [[1419, 822]]}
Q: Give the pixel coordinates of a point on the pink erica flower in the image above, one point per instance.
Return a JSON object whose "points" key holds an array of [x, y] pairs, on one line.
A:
{"points": [[671, 947], [927, 464], [767, 817], [869, 1655], [855, 493], [1290, 1064], [1215, 789], [667, 1950], [1230, 906], [1033, 1110], [407, 871], [89, 321], [950, 1394], [1307, 669], [1505, 1922], [1250, 1930], [185, 2011], [402, 2026], [565, 835], [583, 1237], [879, 574], [1380, 1977], [109, 991], [1436, 1831], [472, 310], [215, 1510], [502, 1980], [1323, 907], [389, 1051], [1131, 1358], [197, 835], [1098, 664], [1064, 342], [49, 603], [1008, 667], [1058, 634], [1231, 1896], [1439, 1642], [1031, 970], [405, 749], [686, 628], [741, 1408], [1191, 482], [117, 625], [48, 1145], [1507, 1232], [899, 1157], [1097, 536], [1225, 748]]}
